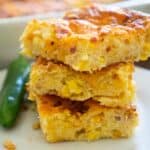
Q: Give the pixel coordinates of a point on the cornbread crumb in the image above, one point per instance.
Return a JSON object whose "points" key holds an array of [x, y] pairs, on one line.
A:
{"points": [[9, 145], [36, 125]]}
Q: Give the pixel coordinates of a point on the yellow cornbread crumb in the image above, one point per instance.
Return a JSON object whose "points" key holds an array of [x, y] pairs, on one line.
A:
{"points": [[9, 145]]}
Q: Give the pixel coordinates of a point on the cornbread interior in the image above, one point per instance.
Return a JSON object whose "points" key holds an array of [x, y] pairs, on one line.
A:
{"points": [[64, 120]]}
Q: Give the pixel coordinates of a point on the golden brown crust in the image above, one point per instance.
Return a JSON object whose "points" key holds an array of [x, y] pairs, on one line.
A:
{"points": [[74, 106], [100, 16], [90, 38]]}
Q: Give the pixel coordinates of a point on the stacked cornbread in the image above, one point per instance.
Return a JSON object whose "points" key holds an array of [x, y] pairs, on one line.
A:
{"points": [[82, 78]]}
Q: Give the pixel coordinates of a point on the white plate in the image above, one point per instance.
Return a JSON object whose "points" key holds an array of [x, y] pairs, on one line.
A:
{"points": [[26, 138]]}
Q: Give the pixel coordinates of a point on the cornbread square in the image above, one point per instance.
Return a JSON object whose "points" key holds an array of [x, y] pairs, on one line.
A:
{"points": [[58, 79], [90, 38], [63, 120]]}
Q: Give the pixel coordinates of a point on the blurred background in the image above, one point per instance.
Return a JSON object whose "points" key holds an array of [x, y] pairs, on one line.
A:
{"points": [[14, 15], [12, 8]]}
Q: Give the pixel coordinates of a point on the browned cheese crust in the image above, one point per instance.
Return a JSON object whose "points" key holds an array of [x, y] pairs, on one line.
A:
{"points": [[90, 38]]}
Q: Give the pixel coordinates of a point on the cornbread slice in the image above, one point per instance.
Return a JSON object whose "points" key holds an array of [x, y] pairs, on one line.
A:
{"points": [[63, 120], [58, 79], [90, 38]]}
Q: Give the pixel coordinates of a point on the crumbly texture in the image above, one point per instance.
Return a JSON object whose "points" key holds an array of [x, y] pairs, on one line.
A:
{"points": [[63, 120], [58, 79], [9, 145], [36, 125], [90, 38]]}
